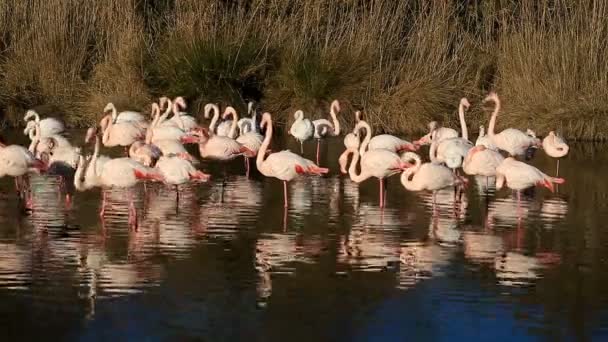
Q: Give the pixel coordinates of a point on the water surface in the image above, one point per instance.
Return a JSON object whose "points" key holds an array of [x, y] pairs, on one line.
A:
{"points": [[226, 262]]}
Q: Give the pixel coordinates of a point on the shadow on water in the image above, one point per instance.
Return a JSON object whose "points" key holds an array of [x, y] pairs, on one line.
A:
{"points": [[225, 261]]}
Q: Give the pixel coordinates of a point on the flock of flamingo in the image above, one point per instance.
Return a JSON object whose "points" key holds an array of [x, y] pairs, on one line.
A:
{"points": [[155, 151]]}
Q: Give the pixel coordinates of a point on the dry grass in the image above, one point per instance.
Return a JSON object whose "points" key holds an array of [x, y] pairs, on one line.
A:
{"points": [[403, 62]]}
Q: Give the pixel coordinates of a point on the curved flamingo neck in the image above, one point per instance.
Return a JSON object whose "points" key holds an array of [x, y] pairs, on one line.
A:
{"points": [[492, 124], [335, 107], [78, 175], [463, 123], [168, 111], [352, 170], [32, 114], [408, 175], [433, 150], [267, 122], [108, 128], [216, 116], [35, 138], [368, 136], [233, 126]]}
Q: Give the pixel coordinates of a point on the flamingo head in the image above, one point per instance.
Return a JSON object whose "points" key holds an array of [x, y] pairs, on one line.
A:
{"points": [[335, 106], [180, 102], [298, 115], [465, 103], [208, 108], [155, 109], [228, 112], [433, 126], [266, 120], [91, 133], [357, 116], [492, 97], [109, 108]]}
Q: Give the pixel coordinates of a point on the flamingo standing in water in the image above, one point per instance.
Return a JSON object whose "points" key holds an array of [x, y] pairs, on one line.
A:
{"points": [[181, 119], [117, 173], [437, 134], [47, 126], [163, 129], [17, 161], [428, 176], [482, 161], [253, 141], [283, 165], [302, 129], [520, 176], [484, 140], [94, 163], [452, 151], [379, 163], [511, 140], [120, 134], [222, 147], [555, 146], [324, 128]]}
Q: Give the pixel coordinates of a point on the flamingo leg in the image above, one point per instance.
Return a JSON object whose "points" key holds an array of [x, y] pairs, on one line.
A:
{"points": [[132, 212], [68, 201], [247, 166], [557, 170], [518, 204], [102, 211], [318, 143], [301, 147], [285, 204], [177, 199], [381, 192]]}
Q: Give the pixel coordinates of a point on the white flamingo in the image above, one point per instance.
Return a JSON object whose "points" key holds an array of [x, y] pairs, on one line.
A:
{"points": [[94, 164], [324, 127], [452, 151], [47, 126], [17, 161], [511, 140], [178, 171], [125, 116], [302, 129], [283, 165], [253, 141], [380, 142], [482, 161], [437, 134], [187, 122], [163, 129], [379, 163], [555, 146], [223, 148], [519, 176], [120, 134], [247, 125], [428, 176]]}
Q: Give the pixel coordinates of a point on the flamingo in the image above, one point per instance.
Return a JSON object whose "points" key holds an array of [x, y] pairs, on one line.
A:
{"points": [[188, 123], [94, 164], [253, 141], [284, 165], [302, 129], [48, 126], [428, 176], [452, 151], [247, 125], [436, 133], [555, 146], [120, 134], [17, 161], [177, 171], [162, 129], [117, 173], [520, 176], [324, 128], [484, 140], [380, 142], [223, 148], [379, 163], [511, 140], [482, 161], [352, 138], [166, 146], [125, 116]]}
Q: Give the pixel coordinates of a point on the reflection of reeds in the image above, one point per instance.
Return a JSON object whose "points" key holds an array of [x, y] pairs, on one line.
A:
{"points": [[404, 62]]}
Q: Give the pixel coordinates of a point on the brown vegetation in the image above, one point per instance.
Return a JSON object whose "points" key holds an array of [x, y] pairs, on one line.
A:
{"points": [[402, 62]]}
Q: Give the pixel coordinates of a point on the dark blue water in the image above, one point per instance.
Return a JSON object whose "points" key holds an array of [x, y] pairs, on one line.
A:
{"points": [[228, 263]]}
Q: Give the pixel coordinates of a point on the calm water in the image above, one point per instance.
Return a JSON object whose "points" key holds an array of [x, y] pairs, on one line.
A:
{"points": [[232, 265]]}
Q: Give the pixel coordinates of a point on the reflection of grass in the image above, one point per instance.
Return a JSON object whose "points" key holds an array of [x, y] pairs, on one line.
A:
{"points": [[403, 62]]}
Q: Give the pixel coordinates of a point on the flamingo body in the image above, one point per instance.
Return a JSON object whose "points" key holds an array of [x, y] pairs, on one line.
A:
{"points": [[177, 171], [427, 176], [555, 146], [482, 161], [520, 176], [391, 143]]}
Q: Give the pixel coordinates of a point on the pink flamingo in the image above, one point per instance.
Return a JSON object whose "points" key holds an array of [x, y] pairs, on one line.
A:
{"points": [[428, 176], [437, 134], [222, 147], [482, 161], [163, 129], [125, 116], [379, 163], [555, 146], [17, 161], [118, 173], [284, 165], [253, 141], [519, 176], [452, 151], [511, 140], [120, 134], [95, 164], [324, 128], [189, 123]]}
